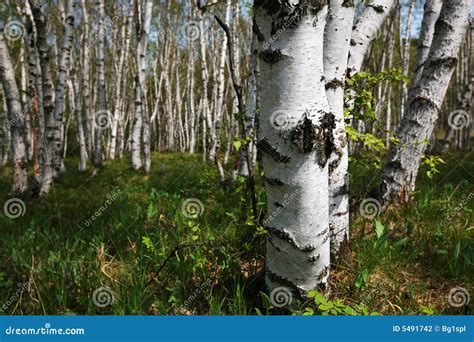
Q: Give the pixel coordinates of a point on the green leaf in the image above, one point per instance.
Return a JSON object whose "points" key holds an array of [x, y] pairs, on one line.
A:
{"points": [[379, 229]]}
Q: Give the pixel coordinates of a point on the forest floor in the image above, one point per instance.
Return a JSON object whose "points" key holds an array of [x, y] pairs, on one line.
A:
{"points": [[128, 234]]}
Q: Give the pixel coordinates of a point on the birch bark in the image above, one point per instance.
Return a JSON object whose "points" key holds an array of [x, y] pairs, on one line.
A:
{"points": [[400, 171], [15, 121], [336, 50], [296, 141]]}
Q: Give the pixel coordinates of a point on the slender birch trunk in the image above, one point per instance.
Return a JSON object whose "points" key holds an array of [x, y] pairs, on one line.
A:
{"points": [[214, 153], [101, 114], [336, 51], [85, 82], [15, 122], [47, 88], [399, 173], [406, 44], [365, 31], [430, 16], [55, 143], [296, 142]]}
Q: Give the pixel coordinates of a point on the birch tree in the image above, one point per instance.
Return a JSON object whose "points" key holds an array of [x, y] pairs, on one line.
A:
{"points": [[336, 51], [365, 31], [400, 172], [296, 141], [101, 115], [15, 123]]}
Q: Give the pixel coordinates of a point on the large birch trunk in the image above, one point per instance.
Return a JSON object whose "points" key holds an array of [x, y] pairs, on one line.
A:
{"points": [[296, 141], [399, 173]]}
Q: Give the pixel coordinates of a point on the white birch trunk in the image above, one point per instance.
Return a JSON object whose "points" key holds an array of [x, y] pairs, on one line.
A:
{"points": [[296, 141], [101, 96], [365, 31], [15, 122], [430, 16], [55, 145], [336, 51]]}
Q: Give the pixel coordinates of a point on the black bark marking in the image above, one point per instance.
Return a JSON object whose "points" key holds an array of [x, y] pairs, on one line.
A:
{"points": [[298, 293], [348, 3], [257, 32], [377, 8], [285, 236], [264, 146], [334, 84], [325, 231], [274, 181], [308, 137], [314, 258], [278, 205], [270, 56]]}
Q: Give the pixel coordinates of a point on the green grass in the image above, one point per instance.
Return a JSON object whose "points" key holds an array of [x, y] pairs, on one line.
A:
{"points": [[158, 261]]}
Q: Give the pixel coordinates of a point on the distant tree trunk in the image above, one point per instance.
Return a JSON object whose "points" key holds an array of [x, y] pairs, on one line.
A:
{"points": [[117, 114], [76, 108], [296, 142], [101, 95], [399, 173], [336, 51], [219, 103], [250, 108], [47, 88], [141, 125], [86, 97], [204, 104], [55, 143], [15, 121]]}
